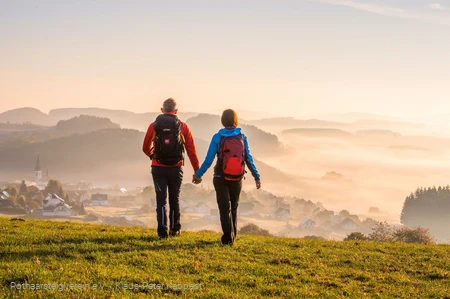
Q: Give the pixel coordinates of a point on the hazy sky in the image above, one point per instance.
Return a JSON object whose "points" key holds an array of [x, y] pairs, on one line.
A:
{"points": [[282, 57]]}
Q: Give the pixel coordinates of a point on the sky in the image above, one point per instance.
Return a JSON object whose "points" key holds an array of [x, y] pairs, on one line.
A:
{"points": [[295, 58]]}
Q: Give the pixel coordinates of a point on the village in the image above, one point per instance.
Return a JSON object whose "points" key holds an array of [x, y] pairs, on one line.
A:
{"points": [[46, 198]]}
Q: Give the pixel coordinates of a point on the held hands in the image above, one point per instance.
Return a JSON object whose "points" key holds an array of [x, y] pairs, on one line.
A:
{"points": [[258, 184], [196, 180]]}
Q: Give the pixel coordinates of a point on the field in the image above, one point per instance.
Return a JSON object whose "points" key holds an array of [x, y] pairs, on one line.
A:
{"points": [[99, 261]]}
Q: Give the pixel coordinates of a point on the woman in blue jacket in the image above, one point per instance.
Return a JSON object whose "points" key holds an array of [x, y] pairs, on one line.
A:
{"points": [[228, 189]]}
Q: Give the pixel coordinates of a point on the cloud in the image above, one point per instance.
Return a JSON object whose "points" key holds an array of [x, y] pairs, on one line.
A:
{"points": [[391, 11], [436, 6]]}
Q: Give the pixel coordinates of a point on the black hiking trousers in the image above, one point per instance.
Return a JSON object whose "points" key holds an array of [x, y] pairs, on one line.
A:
{"points": [[167, 180], [227, 193]]}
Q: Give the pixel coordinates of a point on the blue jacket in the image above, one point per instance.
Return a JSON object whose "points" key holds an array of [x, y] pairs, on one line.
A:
{"points": [[214, 148]]}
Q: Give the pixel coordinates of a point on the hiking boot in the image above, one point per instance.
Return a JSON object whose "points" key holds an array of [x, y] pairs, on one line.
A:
{"points": [[227, 241], [163, 236], [175, 233]]}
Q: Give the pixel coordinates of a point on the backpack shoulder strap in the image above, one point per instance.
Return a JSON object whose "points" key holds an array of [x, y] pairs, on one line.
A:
{"points": [[222, 141]]}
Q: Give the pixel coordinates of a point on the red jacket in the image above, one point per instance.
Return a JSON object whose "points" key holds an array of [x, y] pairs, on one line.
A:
{"points": [[188, 144]]}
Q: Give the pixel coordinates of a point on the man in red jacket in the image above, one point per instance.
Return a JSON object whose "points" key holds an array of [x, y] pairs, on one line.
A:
{"points": [[165, 143]]}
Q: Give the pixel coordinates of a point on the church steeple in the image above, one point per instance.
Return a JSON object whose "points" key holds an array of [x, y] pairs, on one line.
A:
{"points": [[38, 172], [38, 164]]}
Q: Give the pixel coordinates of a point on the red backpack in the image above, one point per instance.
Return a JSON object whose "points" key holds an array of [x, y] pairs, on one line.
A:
{"points": [[232, 157]]}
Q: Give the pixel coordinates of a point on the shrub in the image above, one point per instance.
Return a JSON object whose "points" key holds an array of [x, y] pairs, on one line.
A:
{"points": [[356, 236], [414, 235], [382, 232], [253, 229]]}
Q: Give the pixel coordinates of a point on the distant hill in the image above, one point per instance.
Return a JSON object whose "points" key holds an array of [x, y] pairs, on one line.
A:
{"points": [[84, 124], [27, 115], [334, 176], [16, 135], [17, 127], [204, 126]]}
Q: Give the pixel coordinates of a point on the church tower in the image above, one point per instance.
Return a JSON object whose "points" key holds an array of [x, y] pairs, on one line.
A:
{"points": [[38, 172]]}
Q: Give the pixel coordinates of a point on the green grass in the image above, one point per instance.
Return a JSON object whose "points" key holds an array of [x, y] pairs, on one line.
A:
{"points": [[45, 252]]}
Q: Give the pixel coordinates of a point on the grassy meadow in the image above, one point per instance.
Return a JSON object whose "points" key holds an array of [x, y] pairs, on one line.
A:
{"points": [[45, 259]]}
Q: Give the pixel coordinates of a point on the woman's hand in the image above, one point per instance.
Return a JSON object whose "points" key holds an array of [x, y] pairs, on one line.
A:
{"points": [[258, 184], [196, 180]]}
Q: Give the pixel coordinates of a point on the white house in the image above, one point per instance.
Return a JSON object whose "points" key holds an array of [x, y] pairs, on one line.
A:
{"points": [[55, 206], [99, 200], [349, 224], [62, 210], [307, 224], [52, 200]]}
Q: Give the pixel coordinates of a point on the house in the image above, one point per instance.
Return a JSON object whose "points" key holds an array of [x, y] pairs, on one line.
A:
{"points": [[84, 197], [281, 213], [99, 199], [348, 224], [201, 207], [307, 224], [55, 206]]}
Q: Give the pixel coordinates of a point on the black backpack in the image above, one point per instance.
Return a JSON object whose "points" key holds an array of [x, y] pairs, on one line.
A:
{"points": [[168, 147]]}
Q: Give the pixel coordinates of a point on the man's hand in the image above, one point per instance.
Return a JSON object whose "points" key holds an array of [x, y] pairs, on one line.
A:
{"points": [[196, 180], [258, 184]]}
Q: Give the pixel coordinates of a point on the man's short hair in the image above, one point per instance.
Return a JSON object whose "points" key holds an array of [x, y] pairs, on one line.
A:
{"points": [[169, 105], [229, 118]]}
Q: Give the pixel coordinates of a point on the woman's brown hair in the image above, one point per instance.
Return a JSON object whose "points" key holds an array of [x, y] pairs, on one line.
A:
{"points": [[229, 118]]}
